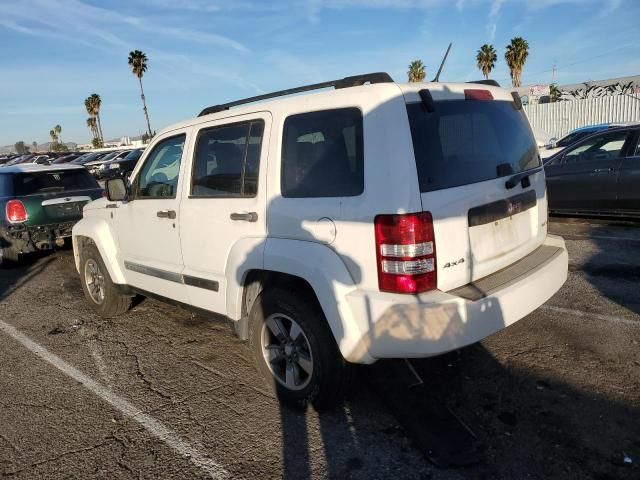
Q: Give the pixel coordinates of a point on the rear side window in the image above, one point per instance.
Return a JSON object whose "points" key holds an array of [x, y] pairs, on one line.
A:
{"points": [[469, 141], [34, 183], [322, 154], [227, 160]]}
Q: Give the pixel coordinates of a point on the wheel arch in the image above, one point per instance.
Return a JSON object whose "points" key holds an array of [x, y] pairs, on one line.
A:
{"points": [[95, 231]]}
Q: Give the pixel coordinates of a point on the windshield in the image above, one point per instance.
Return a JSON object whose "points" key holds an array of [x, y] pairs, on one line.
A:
{"points": [[573, 137], [133, 155], [469, 141], [52, 181]]}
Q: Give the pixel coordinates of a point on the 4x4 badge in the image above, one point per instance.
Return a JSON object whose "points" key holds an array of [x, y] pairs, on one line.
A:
{"points": [[453, 264]]}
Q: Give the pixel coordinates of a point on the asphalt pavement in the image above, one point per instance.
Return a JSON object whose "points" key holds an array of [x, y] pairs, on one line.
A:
{"points": [[161, 393]]}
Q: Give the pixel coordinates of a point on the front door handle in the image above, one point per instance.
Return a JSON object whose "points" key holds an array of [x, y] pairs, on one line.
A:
{"points": [[166, 214], [245, 217], [603, 170]]}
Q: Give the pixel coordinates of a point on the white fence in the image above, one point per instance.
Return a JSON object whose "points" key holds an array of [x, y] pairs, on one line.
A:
{"points": [[560, 118]]}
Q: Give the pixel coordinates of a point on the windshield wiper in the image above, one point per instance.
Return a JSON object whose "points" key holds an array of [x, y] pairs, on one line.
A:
{"points": [[521, 177]]}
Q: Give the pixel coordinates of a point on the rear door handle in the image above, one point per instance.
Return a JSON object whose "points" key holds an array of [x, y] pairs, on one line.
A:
{"points": [[603, 170], [166, 214], [245, 217]]}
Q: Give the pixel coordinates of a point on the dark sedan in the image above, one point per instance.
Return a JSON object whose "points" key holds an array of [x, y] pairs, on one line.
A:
{"points": [[122, 167], [598, 175]]}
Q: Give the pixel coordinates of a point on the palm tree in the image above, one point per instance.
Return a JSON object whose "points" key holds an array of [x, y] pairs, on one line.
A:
{"points": [[138, 64], [58, 130], [54, 139], [96, 102], [516, 56], [486, 59], [92, 104], [91, 123], [555, 95], [416, 71]]}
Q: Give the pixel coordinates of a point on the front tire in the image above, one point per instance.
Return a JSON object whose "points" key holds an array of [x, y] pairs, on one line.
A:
{"points": [[98, 288], [295, 351]]}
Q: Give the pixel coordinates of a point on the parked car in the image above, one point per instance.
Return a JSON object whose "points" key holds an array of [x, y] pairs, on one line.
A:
{"points": [[99, 171], [345, 226], [599, 175], [87, 157], [122, 167], [66, 158], [572, 137], [40, 206]]}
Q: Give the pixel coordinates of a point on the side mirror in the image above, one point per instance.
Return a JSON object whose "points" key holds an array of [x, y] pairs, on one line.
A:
{"points": [[553, 142], [117, 190]]}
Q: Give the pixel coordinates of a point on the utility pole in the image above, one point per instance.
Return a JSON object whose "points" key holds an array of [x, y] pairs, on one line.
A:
{"points": [[553, 73]]}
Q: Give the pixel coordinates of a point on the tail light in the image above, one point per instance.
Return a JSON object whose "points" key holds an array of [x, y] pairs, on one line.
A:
{"points": [[477, 94], [406, 253], [15, 211]]}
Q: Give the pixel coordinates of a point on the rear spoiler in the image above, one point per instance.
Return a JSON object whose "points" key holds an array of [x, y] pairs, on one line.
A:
{"points": [[490, 82]]}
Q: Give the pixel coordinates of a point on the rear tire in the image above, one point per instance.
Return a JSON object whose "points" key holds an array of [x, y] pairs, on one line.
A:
{"points": [[98, 288], [295, 351]]}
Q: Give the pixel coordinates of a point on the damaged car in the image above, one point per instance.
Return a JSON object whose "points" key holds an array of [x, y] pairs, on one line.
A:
{"points": [[40, 206]]}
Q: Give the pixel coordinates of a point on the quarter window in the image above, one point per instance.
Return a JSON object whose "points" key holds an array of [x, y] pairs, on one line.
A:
{"points": [[161, 170], [322, 154], [227, 161]]}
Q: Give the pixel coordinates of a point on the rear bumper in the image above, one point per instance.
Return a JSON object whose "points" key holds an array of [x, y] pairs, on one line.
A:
{"points": [[401, 326], [28, 239]]}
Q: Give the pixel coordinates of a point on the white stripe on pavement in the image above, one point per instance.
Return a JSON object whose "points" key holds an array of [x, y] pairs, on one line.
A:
{"points": [[153, 426], [595, 316]]}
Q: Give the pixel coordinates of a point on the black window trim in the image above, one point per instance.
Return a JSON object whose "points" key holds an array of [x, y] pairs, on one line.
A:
{"points": [[135, 186], [282, 140], [202, 130]]}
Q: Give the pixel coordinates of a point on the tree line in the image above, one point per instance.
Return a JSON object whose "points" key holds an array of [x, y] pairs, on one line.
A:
{"points": [[516, 53]]}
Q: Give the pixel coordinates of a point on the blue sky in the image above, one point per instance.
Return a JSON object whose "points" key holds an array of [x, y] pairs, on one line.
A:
{"points": [[53, 54]]}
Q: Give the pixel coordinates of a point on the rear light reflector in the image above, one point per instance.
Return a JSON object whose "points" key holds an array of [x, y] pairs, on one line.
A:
{"points": [[406, 253], [15, 211], [477, 94]]}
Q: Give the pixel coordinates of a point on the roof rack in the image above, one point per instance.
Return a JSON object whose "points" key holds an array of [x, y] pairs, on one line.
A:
{"points": [[346, 82], [489, 81]]}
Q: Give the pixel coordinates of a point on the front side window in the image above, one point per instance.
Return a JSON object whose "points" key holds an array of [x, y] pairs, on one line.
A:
{"points": [[227, 160], [322, 154], [607, 146], [161, 169]]}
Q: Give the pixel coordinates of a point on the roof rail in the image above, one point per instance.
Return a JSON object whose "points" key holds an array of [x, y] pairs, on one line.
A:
{"points": [[346, 82], [489, 81]]}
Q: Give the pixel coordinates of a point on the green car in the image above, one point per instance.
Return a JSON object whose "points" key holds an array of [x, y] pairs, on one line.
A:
{"points": [[40, 206]]}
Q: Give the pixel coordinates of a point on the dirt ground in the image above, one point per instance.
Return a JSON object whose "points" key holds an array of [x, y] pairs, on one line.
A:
{"points": [[160, 393]]}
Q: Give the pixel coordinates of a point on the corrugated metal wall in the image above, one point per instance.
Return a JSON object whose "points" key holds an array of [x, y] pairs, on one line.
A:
{"points": [[560, 118]]}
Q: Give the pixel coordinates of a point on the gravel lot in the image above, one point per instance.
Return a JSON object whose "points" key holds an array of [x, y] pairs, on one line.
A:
{"points": [[160, 393]]}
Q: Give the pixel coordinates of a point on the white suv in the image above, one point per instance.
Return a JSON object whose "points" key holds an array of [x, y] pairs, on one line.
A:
{"points": [[370, 221]]}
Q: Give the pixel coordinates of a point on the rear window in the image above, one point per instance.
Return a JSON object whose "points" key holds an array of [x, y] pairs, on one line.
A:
{"points": [[469, 141], [33, 183]]}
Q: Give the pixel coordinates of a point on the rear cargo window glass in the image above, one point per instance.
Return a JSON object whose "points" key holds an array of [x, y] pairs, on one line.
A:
{"points": [[469, 141], [322, 154], [33, 183]]}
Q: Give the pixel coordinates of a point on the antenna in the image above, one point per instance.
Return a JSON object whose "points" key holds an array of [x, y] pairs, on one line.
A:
{"points": [[442, 64]]}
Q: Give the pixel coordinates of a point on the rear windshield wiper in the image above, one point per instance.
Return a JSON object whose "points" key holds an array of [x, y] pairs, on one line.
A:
{"points": [[521, 177]]}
